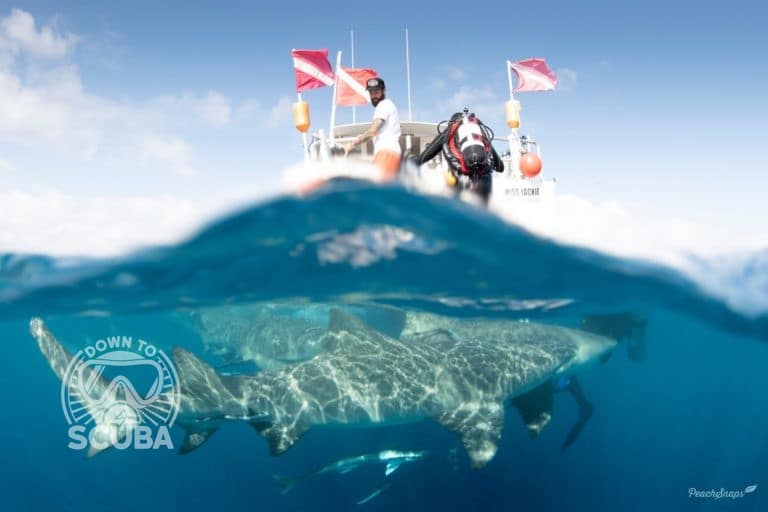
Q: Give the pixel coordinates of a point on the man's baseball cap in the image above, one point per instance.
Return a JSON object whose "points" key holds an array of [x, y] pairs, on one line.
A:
{"points": [[374, 83]]}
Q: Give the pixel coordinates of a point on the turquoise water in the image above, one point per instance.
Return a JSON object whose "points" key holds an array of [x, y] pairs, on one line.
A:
{"points": [[692, 415]]}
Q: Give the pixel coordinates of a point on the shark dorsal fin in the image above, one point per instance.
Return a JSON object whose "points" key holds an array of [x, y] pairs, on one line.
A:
{"points": [[348, 333], [340, 321]]}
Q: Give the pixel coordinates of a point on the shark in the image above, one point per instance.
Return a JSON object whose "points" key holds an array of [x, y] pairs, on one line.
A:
{"points": [[392, 459], [271, 335], [368, 378]]}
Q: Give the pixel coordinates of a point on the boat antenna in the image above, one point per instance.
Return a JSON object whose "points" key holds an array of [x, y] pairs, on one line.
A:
{"points": [[408, 71], [352, 54]]}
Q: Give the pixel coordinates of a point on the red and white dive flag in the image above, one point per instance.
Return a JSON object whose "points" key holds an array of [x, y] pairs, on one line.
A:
{"points": [[350, 86], [312, 69], [533, 75]]}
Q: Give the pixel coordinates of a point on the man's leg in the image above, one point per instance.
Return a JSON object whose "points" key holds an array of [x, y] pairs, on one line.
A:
{"points": [[389, 163]]}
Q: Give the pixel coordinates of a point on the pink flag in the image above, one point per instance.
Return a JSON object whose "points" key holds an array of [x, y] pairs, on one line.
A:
{"points": [[350, 89], [533, 75], [312, 69]]}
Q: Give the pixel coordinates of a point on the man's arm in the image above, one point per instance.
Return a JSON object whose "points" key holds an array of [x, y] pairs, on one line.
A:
{"points": [[367, 135], [433, 148]]}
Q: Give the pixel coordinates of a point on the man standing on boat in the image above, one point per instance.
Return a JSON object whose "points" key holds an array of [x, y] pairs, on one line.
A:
{"points": [[384, 130]]}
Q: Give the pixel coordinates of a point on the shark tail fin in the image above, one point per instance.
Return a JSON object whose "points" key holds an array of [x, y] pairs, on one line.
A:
{"points": [[61, 362], [54, 352]]}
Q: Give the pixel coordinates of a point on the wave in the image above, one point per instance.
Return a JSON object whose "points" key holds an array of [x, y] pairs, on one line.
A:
{"points": [[355, 241]]}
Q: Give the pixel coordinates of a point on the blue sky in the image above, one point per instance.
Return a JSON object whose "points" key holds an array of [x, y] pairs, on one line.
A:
{"points": [[173, 109]]}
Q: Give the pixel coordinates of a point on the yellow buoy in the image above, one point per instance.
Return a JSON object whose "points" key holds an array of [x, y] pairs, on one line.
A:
{"points": [[512, 113], [450, 179], [301, 116]]}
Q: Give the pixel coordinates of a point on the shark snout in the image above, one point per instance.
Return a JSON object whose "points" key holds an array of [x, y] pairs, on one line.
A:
{"points": [[591, 349]]}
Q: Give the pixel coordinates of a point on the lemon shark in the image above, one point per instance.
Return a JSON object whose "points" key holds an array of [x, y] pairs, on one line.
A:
{"points": [[274, 334], [368, 378]]}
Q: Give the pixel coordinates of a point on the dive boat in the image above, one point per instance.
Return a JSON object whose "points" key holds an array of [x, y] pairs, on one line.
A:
{"points": [[522, 181]]}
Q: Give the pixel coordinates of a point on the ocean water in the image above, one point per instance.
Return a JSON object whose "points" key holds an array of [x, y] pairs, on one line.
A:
{"points": [[692, 415]]}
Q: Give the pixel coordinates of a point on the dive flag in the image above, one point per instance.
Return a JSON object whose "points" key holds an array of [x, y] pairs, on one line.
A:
{"points": [[533, 75], [312, 69], [350, 86]]}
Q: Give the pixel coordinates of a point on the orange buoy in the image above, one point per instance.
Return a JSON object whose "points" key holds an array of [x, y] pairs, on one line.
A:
{"points": [[530, 164], [301, 116], [512, 113]]}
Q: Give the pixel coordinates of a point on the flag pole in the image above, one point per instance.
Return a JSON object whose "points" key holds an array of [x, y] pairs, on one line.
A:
{"points": [[333, 104], [352, 45], [514, 138], [408, 71], [509, 76], [304, 137]]}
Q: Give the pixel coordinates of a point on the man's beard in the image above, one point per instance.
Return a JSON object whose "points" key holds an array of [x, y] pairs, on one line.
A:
{"points": [[376, 101]]}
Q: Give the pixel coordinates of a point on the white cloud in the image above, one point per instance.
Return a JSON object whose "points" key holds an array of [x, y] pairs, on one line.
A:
{"points": [[60, 224], [453, 73], [20, 33], [635, 231], [169, 150], [481, 100], [54, 112], [47, 106], [247, 109], [281, 113], [216, 109], [567, 79], [6, 166]]}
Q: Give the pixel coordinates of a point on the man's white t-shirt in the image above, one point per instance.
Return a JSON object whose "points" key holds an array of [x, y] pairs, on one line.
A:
{"points": [[388, 136]]}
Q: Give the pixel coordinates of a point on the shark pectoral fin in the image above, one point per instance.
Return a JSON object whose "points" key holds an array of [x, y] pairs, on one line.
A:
{"points": [[281, 437], [479, 427], [391, 468], [195, 439], [535, 407]]}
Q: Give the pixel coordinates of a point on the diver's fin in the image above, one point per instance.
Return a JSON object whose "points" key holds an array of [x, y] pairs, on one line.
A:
{"points": [[479, 429], [391, 467], [195, 439], [585, 412]]}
